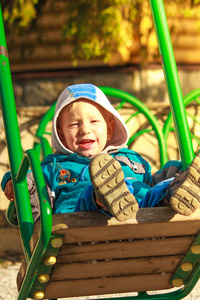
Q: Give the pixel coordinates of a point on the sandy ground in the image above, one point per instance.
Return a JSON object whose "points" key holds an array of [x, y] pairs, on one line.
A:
{"points": [[8, 289]]}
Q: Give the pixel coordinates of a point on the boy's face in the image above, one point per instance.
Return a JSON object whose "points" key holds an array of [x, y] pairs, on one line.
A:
{"points": [[83, 129]]}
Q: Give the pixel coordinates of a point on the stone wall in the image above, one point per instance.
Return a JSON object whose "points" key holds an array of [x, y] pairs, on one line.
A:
{"points": [[148, 85]]}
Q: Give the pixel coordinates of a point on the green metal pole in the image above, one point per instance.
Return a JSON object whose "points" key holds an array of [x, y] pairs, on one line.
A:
{"points": [[14, 143], [31, 159], [172, 81]]}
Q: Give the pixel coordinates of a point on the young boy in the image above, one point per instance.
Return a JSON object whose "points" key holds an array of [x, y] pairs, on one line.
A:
{"points": [[92, 169]]}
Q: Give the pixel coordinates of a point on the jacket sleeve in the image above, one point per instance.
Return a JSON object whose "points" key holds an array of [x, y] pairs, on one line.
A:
{"points": [[6, 177], [32, 192], [35, 207], [169, 170]]}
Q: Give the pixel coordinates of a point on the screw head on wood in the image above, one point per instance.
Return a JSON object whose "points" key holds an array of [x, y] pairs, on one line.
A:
{"points": [[43, 278], [187, 266], [195, 249], [57, 242], [50, 260], [177, 282], [38, 295]]}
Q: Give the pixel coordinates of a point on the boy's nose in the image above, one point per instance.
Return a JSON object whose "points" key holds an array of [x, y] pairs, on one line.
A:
{"points": [[85, 128]]}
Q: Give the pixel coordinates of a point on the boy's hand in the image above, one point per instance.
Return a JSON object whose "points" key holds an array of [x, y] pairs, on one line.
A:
{"points": [[9, 192]]}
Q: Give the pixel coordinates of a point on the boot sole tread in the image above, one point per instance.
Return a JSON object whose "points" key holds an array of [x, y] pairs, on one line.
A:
{"points": [[114, 194], [188, 203]]}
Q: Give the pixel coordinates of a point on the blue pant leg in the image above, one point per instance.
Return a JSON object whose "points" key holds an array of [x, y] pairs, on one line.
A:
{"points": [[85, 201], [151, 199], [155, 194]]}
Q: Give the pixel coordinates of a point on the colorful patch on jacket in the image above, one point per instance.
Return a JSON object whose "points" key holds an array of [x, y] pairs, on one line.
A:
{"points": [[64, 175]]}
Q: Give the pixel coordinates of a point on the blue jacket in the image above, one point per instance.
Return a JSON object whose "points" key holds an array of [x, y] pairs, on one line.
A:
{"points": [[68, 175]]}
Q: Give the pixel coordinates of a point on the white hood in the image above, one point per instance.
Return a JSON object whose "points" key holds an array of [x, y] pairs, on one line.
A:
{"points": [[90, 92]]}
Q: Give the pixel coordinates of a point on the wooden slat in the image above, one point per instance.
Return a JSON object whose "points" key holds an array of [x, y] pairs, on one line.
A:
{"points": [[125, 249], [122, 251], [106, 233], [125, 267], [100, 286], [149, 222]]}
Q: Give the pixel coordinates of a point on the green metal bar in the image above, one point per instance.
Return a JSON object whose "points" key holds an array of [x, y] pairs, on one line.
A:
{"points": [[191, 258], [46, 149], [192, 96], [120, 105], [137, 134], [11, 215], [44, 121], [14, 144], [150, 117], [45, 269], [31, 158], [195, 119], [132, 116], [172, 81], [195, 138], [42, 143]]}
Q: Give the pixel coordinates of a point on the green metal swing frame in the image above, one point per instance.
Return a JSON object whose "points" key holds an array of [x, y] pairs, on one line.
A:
{"points": [[20, 162]]}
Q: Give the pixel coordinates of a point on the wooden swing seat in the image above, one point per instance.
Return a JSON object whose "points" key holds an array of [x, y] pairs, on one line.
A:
{"points": [[85, 254], [101, 256]]}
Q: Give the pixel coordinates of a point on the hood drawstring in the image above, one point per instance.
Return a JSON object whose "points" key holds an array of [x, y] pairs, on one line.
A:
{"points": [[54, 164], [53, 195]]}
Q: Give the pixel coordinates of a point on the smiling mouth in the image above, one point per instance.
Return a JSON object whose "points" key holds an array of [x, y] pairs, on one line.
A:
{"points": [[86, 144]]}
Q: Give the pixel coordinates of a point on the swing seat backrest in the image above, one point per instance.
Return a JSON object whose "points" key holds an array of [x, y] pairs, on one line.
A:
{"points": [[90, 254]]}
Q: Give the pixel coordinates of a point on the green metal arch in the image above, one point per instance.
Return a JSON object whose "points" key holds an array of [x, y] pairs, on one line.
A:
{"points": [[41, 141]]}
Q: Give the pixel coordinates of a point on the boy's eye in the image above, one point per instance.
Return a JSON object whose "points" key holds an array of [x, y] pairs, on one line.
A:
{"points": [[73, 125]]}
